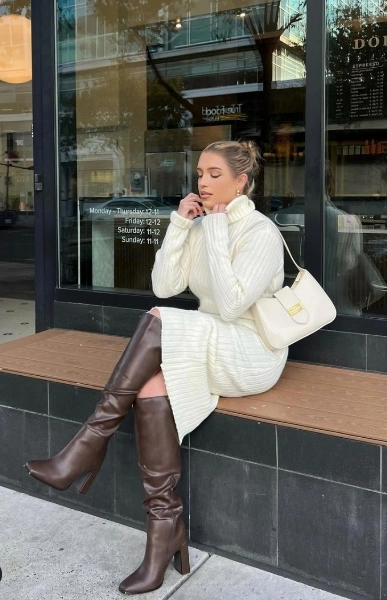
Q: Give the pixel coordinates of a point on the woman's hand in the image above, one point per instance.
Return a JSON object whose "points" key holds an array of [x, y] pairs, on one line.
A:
{"points": [[219, 208], [190, 207]]}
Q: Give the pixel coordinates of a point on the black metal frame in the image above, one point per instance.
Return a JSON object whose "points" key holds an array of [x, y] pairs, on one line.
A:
{"points": [[44, 101], [315, 138]]}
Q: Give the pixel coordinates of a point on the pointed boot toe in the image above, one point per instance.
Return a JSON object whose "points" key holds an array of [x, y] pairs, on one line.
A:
{"points": [[45, 472], [78, 463]]}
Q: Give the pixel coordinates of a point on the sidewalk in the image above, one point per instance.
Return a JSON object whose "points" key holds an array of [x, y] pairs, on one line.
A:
{"points": [[48, 552]]}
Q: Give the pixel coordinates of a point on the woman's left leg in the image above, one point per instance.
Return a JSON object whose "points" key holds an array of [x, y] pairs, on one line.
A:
{"points": [[82, 458], [160, 463]]}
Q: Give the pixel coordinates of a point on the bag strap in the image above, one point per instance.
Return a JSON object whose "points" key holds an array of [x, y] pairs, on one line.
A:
{"points": [[287, 248]]}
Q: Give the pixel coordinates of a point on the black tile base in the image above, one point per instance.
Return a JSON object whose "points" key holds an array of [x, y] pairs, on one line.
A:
{"points": [[322, 521], [384, 470], [23, 436], [237, 438], [233, 506], [120, 321], [330, 532], [336, 348], [377, 353], [384, 548], [26, 393], [71, 402], [329, 457], [83, 317]]}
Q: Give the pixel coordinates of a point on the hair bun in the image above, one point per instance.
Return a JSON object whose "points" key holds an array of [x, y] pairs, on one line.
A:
{"points": [[252, 149]]}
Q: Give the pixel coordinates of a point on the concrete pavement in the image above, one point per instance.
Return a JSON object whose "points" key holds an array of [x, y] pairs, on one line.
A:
{"points": [[49, 552]]}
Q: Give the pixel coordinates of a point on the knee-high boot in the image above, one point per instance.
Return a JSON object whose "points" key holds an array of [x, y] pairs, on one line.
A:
{"points": [[80, 461], [160, 463]]}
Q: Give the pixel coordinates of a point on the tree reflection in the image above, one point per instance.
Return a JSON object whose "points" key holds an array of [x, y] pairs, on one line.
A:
{"points": [[144, 28]]}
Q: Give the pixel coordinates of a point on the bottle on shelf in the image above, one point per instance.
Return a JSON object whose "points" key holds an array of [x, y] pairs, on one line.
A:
{"points": [[366, 148]]}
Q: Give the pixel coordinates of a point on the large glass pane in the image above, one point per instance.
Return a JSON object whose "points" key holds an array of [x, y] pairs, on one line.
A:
{"points": [[356, 172], [143, 88], [17, 313]]}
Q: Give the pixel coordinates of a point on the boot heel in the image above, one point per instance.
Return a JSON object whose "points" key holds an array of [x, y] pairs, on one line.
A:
{"points": [[85, 480], [181, 560]]}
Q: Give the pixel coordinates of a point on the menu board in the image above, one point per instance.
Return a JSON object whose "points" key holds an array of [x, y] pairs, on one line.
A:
{"points": [[360, 91]]}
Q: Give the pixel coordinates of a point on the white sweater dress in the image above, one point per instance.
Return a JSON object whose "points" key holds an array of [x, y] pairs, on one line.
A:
{"points": [[228, 260]]}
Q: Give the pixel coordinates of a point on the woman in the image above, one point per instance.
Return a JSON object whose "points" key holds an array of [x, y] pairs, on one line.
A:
{"points": [[179, 362]]}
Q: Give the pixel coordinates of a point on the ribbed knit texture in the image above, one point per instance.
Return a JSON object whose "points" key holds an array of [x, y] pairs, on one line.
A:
{"points": [[228, 260]]}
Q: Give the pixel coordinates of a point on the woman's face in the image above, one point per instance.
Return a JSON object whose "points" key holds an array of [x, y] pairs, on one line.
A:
{"points": [[216, 182]]}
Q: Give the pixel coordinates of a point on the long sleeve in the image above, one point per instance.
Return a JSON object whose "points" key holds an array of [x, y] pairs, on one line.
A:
{"points": [[172, 262], [237, 283]]}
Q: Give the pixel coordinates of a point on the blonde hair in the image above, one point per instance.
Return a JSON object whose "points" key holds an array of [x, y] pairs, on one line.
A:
{"points": [[241, 157]]}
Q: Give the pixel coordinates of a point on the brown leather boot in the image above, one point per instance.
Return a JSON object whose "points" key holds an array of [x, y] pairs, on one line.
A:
{"points": [[80, 461], [159, 459]]}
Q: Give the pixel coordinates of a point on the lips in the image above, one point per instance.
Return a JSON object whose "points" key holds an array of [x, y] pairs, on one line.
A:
{"points": [[204, 195]]}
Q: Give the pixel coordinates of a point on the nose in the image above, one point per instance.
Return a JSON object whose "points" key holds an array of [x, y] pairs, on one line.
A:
{"points": [[203, 181]]}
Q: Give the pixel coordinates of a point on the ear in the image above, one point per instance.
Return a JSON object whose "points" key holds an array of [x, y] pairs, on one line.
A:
{"points": [[242, 180]]}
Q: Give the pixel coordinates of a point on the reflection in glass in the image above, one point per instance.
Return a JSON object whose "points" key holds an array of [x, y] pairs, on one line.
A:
{"points": [[143, 88], [17, 277], [356, 240]]}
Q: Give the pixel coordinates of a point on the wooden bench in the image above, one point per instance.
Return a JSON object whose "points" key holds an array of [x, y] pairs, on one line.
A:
{"points": [[295, 478], [335, 401]]}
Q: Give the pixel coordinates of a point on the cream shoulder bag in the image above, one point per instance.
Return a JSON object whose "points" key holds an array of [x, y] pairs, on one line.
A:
{"points": [[294, 312]]}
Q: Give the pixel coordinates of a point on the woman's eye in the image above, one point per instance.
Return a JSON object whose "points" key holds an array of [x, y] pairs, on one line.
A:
{"points": [[199, 176], [215, 176]]}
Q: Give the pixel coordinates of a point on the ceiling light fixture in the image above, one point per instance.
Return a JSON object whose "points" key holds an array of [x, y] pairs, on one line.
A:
{"points": [[15, 49]]}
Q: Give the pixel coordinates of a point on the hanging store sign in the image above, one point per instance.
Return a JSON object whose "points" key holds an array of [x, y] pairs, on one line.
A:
{"points": [[231, 112], [372, 42], [361, 83]]}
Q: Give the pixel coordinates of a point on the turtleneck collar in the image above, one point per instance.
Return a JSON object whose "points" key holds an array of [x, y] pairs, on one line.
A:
{"points": [[238, 208]]}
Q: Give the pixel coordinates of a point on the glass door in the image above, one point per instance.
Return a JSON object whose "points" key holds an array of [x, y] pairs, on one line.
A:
{"points": [[16, 173]]}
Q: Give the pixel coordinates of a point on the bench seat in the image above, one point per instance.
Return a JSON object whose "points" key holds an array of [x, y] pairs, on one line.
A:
{"points": [[335, 401], [294, 479]]}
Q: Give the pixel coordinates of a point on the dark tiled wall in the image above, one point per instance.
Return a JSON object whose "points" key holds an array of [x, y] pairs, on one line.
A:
{"points": [[329, 531], [97, 319], [327, 347], [311, 504]]}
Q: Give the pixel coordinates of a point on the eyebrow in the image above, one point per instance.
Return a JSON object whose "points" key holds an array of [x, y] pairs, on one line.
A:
{"points": [[210, 169]]}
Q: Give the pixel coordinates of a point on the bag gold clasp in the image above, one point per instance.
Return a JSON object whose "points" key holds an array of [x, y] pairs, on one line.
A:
{"points": [[295, 309]]}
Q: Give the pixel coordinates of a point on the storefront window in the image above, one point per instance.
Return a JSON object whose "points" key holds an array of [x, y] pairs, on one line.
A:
{"points": [[143, 88], [356, 167], [17, 270]]}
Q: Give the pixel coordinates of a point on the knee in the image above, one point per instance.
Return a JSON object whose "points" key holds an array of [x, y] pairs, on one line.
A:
{"points": [[155, 312], [154, 387]]}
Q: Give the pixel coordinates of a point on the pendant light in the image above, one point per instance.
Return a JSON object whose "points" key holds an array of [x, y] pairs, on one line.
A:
{"points": [[15, 49]]}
